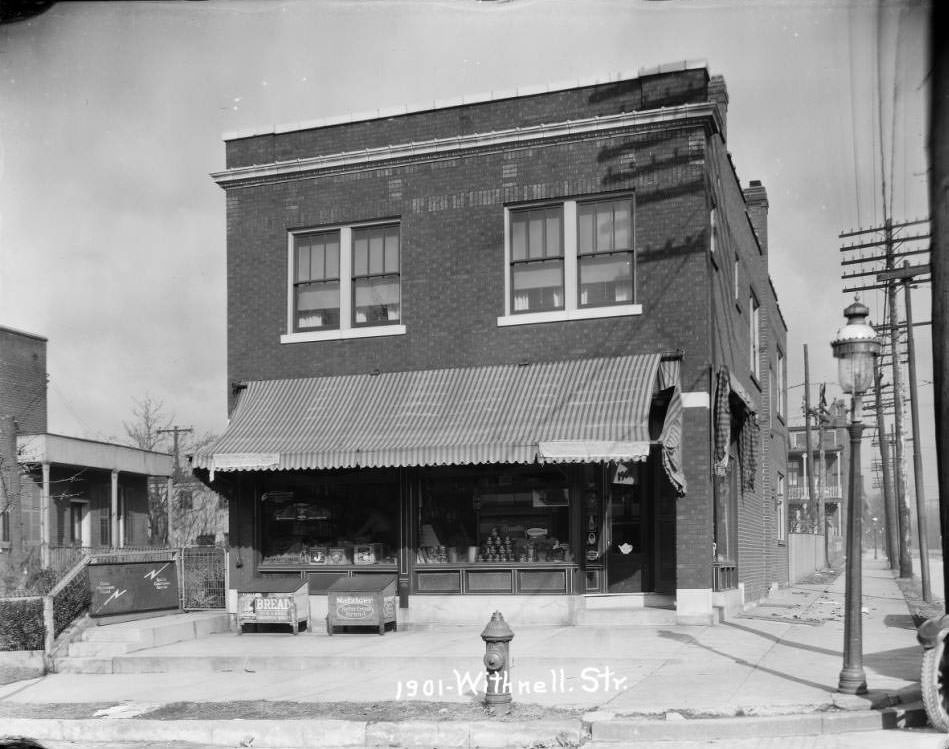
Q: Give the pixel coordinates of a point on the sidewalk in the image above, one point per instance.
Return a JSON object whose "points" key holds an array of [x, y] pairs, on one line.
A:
{"points": [[773, 669]]}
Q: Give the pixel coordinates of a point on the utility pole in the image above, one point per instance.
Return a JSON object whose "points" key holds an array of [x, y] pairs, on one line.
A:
{"points": [[175, 431], [906, 565], [889, 498], [905, 276], [813, 509], [886, 244], [821, 482], [939, 206]]}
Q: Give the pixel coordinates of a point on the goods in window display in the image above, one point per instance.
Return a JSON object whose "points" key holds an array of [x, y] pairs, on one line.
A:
{"points": [[367, 553], [321, 522], [476, 516]]}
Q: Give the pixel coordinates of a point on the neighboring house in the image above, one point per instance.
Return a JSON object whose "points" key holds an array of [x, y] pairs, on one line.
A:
{"points": [[828, 460], [514, 350], [73, 493]]}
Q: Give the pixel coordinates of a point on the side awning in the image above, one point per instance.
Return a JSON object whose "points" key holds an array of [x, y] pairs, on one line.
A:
{"points": [[573, 411]]}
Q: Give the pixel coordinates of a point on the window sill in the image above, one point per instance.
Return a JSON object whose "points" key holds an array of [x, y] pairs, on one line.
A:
{"points": [[586, 313], [340, 335]]}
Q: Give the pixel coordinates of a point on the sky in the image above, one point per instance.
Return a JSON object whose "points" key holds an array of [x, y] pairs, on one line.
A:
{"points": [[112, 233]]}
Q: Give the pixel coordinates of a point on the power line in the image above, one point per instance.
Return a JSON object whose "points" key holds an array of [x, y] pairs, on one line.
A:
{"points": [[853, 117]]}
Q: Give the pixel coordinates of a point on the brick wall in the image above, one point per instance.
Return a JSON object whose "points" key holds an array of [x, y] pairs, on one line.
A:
{"points": [[451, 213], [452, 225], [652, 92], [23, 379], [762, 558]]}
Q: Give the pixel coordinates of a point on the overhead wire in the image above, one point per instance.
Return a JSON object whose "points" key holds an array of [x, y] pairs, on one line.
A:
{"points": [[879, 103], [853, 116]]}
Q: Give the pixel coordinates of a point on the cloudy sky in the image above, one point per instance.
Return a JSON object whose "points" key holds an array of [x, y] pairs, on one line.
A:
{"points": [[112, 235]]}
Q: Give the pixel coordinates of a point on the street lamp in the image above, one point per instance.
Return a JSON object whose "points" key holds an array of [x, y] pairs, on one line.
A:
{"points": [[875, 537], [855, 347]]}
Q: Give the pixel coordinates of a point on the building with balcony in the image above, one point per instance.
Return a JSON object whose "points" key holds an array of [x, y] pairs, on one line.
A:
{"points": [[827, 461]]}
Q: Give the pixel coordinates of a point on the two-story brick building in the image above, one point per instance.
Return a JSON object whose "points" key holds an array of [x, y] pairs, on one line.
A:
{"points": [[518, 350]]}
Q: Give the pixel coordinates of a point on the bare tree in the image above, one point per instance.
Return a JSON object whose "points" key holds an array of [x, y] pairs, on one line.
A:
{"points": [[144, 432], [150, 417]]}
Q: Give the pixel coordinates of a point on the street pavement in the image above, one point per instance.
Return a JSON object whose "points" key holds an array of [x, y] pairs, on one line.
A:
{"points": [[768, 675], [920, 739]]}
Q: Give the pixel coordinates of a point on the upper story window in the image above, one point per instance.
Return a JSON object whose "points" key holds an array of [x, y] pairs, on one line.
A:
{"points": [[316, 281], [782, 385], [605, 247], [345, 283], [755, 336], [736, 280], [376, 286], [570, 260], [537, 262]]}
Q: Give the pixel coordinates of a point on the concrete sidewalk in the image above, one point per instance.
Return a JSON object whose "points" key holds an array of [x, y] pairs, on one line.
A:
{"points": [[779, 661]]}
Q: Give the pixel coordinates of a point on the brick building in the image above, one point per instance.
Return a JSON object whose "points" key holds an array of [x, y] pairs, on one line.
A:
{"points": [[519, 351], [69, 493]]}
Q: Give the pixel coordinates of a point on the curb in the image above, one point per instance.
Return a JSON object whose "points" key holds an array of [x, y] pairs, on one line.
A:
{"points": [[628, 731], [264, 734]]}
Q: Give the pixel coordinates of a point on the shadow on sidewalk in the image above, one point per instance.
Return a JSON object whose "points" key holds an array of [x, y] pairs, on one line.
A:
{"points": [[888, 662], [781, 640], [690, 640]]}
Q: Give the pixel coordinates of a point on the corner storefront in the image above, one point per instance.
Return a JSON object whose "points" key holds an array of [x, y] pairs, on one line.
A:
{"points": [[536, 484]]}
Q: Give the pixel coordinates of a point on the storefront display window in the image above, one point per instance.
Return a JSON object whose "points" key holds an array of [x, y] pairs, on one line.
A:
{"points": [[482, 515], [338, 520]]}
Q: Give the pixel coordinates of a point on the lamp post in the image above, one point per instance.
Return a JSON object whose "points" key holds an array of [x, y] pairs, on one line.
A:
{"points": [[855, 347], [875, 537]]}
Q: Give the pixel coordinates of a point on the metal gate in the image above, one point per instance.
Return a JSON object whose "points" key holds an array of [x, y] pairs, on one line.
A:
{"points": [[203, 577]]}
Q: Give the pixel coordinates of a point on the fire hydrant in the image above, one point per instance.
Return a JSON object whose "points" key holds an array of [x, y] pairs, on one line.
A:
{"points": [[497, 659]]}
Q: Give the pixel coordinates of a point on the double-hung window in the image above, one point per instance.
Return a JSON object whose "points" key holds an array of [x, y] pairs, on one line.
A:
{"points": [[345, 283], [537, 262], [316, 281], [605, 247], [376, 287], [570, 260]]}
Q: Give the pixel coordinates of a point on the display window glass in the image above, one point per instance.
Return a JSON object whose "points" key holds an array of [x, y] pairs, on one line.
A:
{"points": [[482, 516], [336, 520]]}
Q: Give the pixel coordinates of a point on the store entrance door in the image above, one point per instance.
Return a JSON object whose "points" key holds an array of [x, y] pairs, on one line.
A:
{"points": [[629, 549]]}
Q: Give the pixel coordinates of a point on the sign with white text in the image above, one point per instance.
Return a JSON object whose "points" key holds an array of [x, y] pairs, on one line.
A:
{"points": [[132, 587]]}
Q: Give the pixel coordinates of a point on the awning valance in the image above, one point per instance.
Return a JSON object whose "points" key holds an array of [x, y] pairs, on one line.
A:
{"points": [[572, 411]]}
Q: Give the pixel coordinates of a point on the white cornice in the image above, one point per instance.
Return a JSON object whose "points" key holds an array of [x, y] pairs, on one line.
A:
{"points": [[461, 143]]}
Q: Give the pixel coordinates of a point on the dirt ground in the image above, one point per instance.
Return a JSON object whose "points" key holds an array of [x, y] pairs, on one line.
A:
{"points": [[267, 710]]}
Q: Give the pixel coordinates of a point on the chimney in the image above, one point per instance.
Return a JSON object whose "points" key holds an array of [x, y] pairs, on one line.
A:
{"points": [[756, 201], [718, 94]]}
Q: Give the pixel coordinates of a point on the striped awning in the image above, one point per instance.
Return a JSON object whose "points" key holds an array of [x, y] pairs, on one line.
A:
{"points": [[572, 411]]}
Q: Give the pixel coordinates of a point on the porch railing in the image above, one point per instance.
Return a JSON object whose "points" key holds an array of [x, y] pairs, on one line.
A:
{"points": [[64, 558], [797, 493]]}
